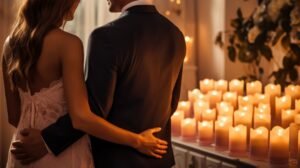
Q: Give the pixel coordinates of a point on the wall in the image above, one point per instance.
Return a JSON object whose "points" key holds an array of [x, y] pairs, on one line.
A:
{"points": [[6, 18]]}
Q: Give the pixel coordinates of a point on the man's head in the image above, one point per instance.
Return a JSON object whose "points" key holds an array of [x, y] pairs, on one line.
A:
{"points": [[117, 5]]}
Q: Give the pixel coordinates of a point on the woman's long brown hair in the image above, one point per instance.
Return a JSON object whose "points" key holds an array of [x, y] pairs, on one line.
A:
{"points": [[35, 19]]}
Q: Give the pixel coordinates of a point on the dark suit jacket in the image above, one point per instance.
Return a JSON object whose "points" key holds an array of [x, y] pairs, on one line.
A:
{"points": [[134, 76]]}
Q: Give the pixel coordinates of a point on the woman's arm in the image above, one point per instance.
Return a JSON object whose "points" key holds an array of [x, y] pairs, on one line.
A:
{"points": [[83, 119], [12, 95]]}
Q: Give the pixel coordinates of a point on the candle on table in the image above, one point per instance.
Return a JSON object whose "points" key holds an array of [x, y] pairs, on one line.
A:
{"points": [[262, 120], [225, 110], [242, 117], [273, 91], [294, 92], [188, 129], [221, 134], [261, 98], [294, 128], [214, 98], [259, 143], [245, 100], [237, 86], [281, 103], [186, 107], [238, 140], [231, 97], [297, 105], [221, 85], [199, 108], [279, 146], [176, 120], [287, 117], [209, 115], [247, 108], [254, 87], [206, 85], [194, 95], [264, 108], [205, 132]]}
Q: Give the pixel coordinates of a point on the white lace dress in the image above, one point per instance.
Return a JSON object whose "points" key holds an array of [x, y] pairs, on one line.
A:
{"points": [[39, 111]]}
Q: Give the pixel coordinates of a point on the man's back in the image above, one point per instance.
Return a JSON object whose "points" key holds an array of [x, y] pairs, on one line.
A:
{"points": [[143, 67]]}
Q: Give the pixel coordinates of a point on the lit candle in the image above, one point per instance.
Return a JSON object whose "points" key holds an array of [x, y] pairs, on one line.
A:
{"points": [[209, 115], [262, 120], [297, 105], [176, 120], [237, 86], [264, 108], [225, 119], [238, 140], [281, 103], [288, 117], [199, 108], [259, 143], [205, 132], [225, 109], [273, 91], [188, 129], [214, 98], [261, 98], [254, 87], [245, 100], [194, 95], [294, 92], [231, 97], [221, 85], [279, 146], [189, 45], [186, 107], [247, 108], [294, 128], [221, 135], [206, 85], [242, 117]]}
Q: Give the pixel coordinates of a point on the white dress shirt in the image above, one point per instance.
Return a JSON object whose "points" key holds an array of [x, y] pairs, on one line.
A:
{"points": [[136, 3]]}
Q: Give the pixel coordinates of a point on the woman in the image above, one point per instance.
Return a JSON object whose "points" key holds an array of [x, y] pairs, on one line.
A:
{"points": [[43, 76]]}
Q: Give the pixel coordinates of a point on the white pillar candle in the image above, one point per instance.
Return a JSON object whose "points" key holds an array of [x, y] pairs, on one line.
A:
{"points": [[206, 85], [261, 98], [259, 143], [281, 103], [237, 86], [188, 129], [221, 85], [214, 98], [194, 95], [225, 111], [262, 120], [273, 91], [176, 120], [185, 106], [279, 146], [297, 105], [254, 87], [238, 140], [245, 100], [205, 132], [264, 108], [294, 92], [287, 117], [221, 134], [242, 117], [231, 97], [247, 108], [209, 115], [199, 108]]}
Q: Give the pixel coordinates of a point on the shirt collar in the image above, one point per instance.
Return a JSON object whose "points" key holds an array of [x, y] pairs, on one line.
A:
{"points": [[136, 3]]}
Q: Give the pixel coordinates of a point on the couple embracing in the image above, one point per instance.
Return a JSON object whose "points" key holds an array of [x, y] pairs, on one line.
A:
{"points": [[120, 116]]}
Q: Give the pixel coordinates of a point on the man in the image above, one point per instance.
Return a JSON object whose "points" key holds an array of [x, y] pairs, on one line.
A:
{"points": [[134, 76]]}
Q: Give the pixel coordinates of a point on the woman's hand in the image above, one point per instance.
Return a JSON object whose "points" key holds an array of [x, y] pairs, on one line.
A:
{"points": [[150, 145]]}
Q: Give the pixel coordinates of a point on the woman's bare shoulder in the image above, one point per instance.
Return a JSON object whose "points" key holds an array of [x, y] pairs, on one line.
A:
{"points": [[62, 38]]}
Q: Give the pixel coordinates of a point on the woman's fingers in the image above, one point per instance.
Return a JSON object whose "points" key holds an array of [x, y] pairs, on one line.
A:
{"points": [[162, 142], [161, 147], [160, 152], [155, 155], [155, 130]]}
